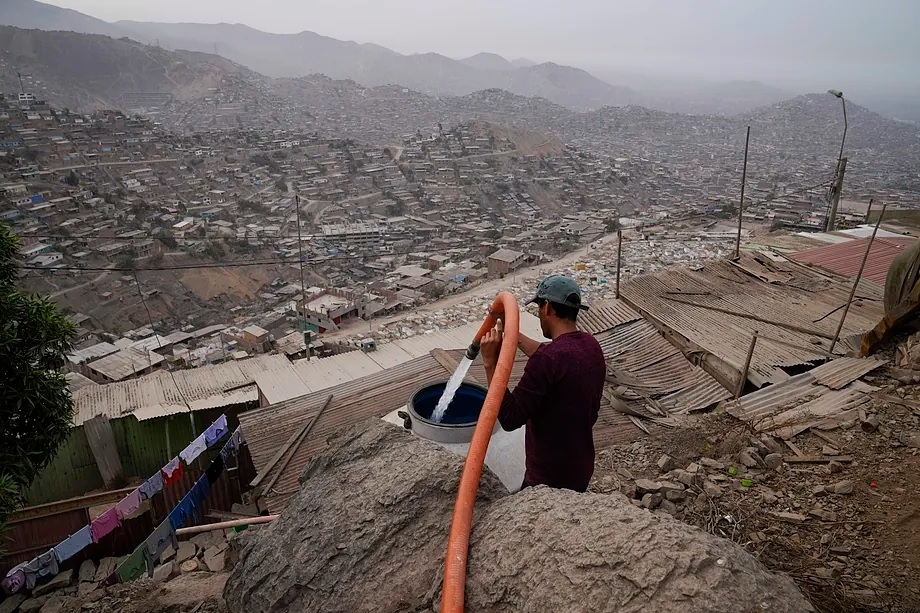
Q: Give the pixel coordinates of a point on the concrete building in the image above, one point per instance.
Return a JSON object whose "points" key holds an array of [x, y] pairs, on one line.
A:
{"points": [[505, 261], [362, 234]]}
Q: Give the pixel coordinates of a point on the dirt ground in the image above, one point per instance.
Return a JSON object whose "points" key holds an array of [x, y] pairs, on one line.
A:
{"points": [[862, 555]]}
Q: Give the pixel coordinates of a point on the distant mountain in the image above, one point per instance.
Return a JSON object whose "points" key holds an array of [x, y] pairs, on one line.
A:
{"points": [[523, 62], [488, 61], [29, 14], [87, 71], [307, 53]]}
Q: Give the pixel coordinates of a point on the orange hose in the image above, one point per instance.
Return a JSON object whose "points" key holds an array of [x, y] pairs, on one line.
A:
{"points": [[459, 540]]}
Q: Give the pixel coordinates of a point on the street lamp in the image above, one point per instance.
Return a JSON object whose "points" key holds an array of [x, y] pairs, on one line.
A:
{"points": [[839, 94]]}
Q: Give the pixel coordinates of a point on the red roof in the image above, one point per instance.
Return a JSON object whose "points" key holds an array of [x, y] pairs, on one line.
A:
{"points": [[845, 258]]}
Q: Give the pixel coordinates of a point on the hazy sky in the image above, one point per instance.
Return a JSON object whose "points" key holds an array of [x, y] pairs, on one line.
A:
{"points": [[814, 44]]}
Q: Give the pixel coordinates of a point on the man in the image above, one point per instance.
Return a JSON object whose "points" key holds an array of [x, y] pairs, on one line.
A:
{"points": [[559, 396]]}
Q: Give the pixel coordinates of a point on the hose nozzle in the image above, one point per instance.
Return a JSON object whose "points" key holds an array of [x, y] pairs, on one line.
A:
{"points": [[472, 351]]}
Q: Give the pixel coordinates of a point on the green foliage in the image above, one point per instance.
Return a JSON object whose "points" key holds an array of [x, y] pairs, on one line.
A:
{"points": [[281, 186], [72, 179], [612, 225], [215, 251], [36, 410]]}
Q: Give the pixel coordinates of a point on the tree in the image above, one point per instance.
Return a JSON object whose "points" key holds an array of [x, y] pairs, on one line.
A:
{"points": [[36, 409], [281, 186], [72, 179]]}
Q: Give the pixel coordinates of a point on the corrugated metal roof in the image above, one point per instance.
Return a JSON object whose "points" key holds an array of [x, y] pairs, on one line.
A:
{"points": [[830, 389], [328, 372], [279, 385], [90, 353], [125, 363], [605, 315], [713, 308], [843, 371], [157, 395], [845, 258], [268, 429]]}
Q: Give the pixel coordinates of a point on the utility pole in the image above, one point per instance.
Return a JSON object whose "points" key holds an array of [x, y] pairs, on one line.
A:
{"points": [[835, 194], [747, 140], [303, 290], [869, 209]]}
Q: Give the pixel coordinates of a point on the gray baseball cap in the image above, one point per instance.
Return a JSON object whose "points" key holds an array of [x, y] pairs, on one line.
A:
{"points": [[561, 290]]}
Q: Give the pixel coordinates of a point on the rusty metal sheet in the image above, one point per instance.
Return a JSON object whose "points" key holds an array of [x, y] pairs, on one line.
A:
{"points": [[701, 395], [838, 373], [605, 315], [788, 423]]}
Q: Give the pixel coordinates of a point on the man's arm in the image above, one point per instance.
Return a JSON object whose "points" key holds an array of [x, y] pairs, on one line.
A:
{"points": [[527, 345], [527, 399]]}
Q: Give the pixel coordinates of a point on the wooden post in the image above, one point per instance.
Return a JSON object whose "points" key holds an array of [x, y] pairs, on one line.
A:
{"points": [[747, 366], [862, 265], [101, 441], [869, 209], [619, 261], [747, 140]]}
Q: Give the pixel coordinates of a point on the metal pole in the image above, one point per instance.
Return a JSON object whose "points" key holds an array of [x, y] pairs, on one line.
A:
{"points": [[747, 140], [835, 195], [869, 209], [619, 260], [303, 291], [862, 265], [747, 366], [845, 126]]}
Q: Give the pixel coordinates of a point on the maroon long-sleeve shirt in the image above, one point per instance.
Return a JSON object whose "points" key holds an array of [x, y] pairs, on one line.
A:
{"points": [[558, 399]]}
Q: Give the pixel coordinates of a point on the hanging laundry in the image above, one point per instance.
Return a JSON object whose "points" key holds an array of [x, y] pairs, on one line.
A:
{"points": [[158, 541], [194, 449], [151, 486], [215, 469], [232, 447], [172, 472], [184, 510], [104, 524], [129, 505], [17, 579], [73, 544], [134, 566], [42, 566], [216, 431]]}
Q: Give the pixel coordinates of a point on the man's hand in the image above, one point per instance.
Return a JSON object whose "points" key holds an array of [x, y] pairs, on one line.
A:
{"points": [[490, 346]]}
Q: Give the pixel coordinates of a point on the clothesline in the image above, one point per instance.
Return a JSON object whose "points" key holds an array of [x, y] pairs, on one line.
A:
{"points": [[46, 565]]}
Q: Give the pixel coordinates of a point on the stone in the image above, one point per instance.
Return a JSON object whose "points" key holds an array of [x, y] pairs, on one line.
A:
{"points": [[667, 486], [713, 464], [823, 514], [834, 467], [665, 463], [32, 604], [668, 507], [87, 571], [841, 550], [635, 502], [164, 572], [792, 518], [61, 580], [190, 566], [773, 460], [819, 490], [216, 562], [748, 458], [768, 496], [844, 487], [167, 555], [831, 451], [712, 490], [771, 443], [911, 439], [11, 603], [54, 604], [688, 478], [675, 495], [280, 564], [106, 567], [187, 549], [825, 539], [202, 540], [86, 588], [647, 486], [694, 468]]}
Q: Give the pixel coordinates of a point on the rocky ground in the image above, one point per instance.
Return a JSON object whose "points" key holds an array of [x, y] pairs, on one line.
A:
{"points": [[848, 533]]}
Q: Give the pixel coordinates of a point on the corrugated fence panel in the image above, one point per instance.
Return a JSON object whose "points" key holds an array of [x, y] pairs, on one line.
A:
{"points": [[72, 472]]}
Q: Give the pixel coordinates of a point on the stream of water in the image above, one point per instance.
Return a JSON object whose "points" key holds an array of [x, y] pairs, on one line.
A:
{"points": [[452, 385]]}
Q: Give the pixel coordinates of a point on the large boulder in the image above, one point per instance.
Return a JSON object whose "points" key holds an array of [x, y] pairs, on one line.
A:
{"points": [[368, 531], [555, 550]]}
